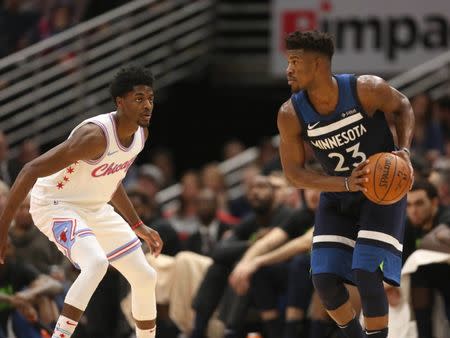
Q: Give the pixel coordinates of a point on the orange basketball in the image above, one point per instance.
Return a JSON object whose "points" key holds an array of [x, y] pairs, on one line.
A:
{"points": [[389, 178]]}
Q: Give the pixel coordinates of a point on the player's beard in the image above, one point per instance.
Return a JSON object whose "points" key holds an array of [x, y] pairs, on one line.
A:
{"points": [[295, 89], [143, 124], [262, 207]]}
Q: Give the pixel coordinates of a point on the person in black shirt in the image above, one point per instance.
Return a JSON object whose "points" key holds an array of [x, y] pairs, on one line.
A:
{"points": [[279, 263], [149, 212], [211, 229], [21, 286], [427, 227], [266, 215]]}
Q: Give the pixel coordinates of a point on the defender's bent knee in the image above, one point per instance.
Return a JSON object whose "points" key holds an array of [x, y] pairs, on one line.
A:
{"points": [[99, 264], [143, 276]]}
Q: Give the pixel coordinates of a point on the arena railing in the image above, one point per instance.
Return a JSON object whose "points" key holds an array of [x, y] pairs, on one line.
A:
{"points": [[51, 86], [432, 76]]}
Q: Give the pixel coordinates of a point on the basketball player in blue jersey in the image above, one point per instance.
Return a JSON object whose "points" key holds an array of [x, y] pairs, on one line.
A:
{"points": [[71, 188], [342, 118]]}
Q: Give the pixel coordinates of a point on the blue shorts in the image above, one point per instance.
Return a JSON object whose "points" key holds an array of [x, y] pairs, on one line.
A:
{"points": [[352, 232]]}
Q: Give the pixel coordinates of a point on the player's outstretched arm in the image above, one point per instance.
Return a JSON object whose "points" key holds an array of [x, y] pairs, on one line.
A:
{"points": [[88, 142], [292, 154]]}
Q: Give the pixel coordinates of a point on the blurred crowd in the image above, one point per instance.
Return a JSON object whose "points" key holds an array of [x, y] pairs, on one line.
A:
{"points": [[236, 257], [24, 22]]}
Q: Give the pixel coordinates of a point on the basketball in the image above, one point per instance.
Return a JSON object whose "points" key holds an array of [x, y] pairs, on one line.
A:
{"points": [[389, 178]]}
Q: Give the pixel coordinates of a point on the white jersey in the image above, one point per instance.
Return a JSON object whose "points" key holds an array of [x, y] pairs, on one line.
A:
{"points": [[91, 184]]}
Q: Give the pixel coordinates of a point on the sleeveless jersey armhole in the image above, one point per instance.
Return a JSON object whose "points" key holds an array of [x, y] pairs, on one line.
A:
{"points": [[105, 132], [353, 86], [142, 133], [299, 115]]}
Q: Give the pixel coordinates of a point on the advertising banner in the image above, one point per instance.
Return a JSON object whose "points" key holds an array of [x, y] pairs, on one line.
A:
{"points": [[385, 36]]}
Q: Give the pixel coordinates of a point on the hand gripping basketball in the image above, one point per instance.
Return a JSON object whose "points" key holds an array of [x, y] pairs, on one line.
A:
{"points": [[358, 178], [390, 178]]}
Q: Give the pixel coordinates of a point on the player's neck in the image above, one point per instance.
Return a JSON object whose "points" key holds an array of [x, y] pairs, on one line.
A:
{"points": [[324, 94], [125, 128], [324, 89]]}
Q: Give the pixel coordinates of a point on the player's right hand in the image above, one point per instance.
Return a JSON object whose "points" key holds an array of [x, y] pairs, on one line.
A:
{"points": [[359, 177]]}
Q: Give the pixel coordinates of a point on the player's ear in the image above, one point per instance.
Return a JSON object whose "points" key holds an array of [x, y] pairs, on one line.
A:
{"points": [[319, 62], [119, 102]]}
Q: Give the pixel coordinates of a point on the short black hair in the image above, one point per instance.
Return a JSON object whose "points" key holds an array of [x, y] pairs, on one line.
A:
{"points": [[129, 77], [429, 188], [315, 41]]}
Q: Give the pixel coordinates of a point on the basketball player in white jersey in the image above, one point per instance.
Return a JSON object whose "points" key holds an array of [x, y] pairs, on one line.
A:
{"points": [[71, 186]]}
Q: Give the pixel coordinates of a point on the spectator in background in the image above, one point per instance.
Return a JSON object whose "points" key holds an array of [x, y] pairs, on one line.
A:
{"points": [[285, 193], [184, 219], [428, 139], [211, 177], [59, 19], [440, 178], [15, 21], [149, 213], [240, 207], [443, 162], [442, 112], [425, 216], [149, 180], [31, 245], [211, 229], [421, 167], [267, 214], [232, 148], [6, 165], [278, 264], [268, 158], [26, 297], [267, 151], [29, 150], [162, 158]]}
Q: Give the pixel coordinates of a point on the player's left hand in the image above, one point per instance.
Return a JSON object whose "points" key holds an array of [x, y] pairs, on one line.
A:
{"points": [[404, 155], [240, 277], [151, 237]]}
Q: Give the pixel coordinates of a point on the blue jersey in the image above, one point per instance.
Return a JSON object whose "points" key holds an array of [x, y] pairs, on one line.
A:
{"points": [[346, 137]]}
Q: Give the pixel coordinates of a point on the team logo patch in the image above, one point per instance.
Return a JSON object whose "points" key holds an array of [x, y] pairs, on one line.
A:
{"points": [[64, 232]]}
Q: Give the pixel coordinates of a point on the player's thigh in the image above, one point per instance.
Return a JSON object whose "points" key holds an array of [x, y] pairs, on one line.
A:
{"points": [[63, 225], [334, 238], [380, 239], [113, 233]]}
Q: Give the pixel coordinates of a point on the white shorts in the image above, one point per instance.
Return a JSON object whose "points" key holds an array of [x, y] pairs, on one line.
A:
{"points": [[63, 223]]}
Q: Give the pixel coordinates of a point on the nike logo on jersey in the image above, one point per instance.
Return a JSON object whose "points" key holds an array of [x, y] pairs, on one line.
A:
{"points": [[112, 152], [311, 126], [69, 323]]}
